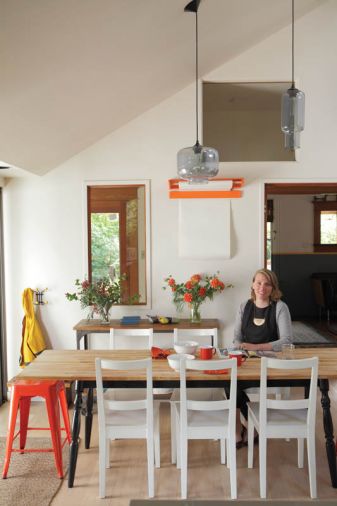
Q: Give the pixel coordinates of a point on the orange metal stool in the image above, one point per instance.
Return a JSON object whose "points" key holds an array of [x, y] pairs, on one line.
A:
{"points": [[55, 396]]}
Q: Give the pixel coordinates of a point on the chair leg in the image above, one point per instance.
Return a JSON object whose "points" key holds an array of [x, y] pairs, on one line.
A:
{"points": [[312, 465], [232, 465], [223, 451], [103, 441], [65, 414], [173, 434], [53, 410], [300, 452], [107, 454], [263, 466], [183, 464], [150, 465], [178, 436], [250, 441], [24, 417], [13, 410], [156, 434]]}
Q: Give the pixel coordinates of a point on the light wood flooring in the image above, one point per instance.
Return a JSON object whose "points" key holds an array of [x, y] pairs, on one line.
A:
{"points": [[207, 478]]}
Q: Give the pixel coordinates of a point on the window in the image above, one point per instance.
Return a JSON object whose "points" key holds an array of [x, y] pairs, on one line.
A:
{"points": [[118, 233], [325, 225]]}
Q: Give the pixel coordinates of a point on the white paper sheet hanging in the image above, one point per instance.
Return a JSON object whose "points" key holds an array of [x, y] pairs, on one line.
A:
{"points": [[204, 228]]}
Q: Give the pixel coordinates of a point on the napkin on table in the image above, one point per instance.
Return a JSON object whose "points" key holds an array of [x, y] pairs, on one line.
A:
{"points": [[159, 353]]}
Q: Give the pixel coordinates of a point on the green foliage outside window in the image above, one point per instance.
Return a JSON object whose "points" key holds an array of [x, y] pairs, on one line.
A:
{"points": [[328, 227], [104, 244]]}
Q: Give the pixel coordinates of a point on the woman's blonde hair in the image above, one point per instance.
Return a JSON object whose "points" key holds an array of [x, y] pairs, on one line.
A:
{"points": [[276, 293]]}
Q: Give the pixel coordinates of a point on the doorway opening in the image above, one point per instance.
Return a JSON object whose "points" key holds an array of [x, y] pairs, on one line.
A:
{"points": [[301, 247]]}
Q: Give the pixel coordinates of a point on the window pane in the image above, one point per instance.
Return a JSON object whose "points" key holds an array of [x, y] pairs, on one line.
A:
{"points": [[328, 227], [105, 255]]}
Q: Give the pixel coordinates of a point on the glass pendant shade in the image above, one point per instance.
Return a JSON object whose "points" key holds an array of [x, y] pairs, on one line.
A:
{"points": [[292, 116], [198, 163]]}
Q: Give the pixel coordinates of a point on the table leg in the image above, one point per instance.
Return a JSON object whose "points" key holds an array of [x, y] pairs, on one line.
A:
{"points": [[88, 417], [79, 335], [328, 429], [76, 425]]}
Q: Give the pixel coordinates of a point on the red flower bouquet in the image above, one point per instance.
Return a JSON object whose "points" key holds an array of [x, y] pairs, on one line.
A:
{"points": [[194, 292]]}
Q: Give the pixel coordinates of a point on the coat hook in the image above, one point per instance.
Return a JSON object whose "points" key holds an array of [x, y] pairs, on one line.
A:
{"points": [[39, 297]]}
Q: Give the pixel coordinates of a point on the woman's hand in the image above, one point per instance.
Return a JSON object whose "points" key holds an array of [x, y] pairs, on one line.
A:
{"points": [[255, 347], [249, 346]]}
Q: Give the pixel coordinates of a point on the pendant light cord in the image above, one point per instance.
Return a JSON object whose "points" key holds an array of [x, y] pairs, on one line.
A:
{"points": [[292, 45], [196, 77]]}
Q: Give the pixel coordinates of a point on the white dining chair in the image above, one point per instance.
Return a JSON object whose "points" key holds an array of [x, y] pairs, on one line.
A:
{"points": [[135, 339], [124, 419], [205, 394], [289, 418], [214, 419], [202, 336]]}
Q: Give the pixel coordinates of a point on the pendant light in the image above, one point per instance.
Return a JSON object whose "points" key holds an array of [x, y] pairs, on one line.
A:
{"points": [[293, 100], [197, 164]]}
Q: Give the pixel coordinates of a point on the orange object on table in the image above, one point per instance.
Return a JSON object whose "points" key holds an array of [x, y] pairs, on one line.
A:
{"points": [[159, 353]]}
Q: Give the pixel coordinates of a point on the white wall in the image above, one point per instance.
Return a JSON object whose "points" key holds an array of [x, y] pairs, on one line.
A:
{"points": [[43, 215]]}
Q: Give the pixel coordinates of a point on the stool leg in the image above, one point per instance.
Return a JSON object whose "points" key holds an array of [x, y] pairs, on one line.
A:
{"points": [[11, 428], [54, 423], [24, 417], [64, 409]]}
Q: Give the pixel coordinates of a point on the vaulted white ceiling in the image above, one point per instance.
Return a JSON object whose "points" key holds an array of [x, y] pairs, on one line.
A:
{"points": [[72, 71]]}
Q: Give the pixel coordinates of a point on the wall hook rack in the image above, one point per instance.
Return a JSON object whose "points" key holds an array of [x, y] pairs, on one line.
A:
{"points": [[39, 297]]}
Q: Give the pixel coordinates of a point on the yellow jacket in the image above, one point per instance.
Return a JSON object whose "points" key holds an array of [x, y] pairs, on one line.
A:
{"points": [[33, 341]]}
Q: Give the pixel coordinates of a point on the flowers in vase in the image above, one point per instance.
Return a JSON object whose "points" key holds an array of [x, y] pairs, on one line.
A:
{"points": [[99, 295], [195, 290]]}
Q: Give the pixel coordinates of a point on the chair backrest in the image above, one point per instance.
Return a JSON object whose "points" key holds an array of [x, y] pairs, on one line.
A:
{"points": [[123, 405], [194, 334], [297, 364], [127, 338], [211, 365]]}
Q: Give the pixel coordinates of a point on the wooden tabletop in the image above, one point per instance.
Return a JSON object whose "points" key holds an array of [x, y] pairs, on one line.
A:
{"points": [[97, 326], [71, 365]]}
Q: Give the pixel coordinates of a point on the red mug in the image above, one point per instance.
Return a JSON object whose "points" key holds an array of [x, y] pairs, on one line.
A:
{"points": [[240, 357], [207, 352]]}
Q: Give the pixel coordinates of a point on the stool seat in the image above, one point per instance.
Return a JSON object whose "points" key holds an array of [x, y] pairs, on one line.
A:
{"points": [[55, 396]]}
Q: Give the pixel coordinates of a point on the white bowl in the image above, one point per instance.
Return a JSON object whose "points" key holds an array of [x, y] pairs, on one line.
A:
{"points": [[189, 347], [174, 360]]}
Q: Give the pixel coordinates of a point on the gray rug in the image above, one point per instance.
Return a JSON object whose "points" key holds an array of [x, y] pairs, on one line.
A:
{"points": [[32, 478], [304, 333]]}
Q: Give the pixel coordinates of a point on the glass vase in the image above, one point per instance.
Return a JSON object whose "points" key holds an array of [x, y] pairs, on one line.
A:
{"points": [[104, 312], [195, 313]]}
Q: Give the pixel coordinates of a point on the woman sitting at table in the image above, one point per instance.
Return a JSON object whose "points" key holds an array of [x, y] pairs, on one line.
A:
{"points": [[262, 323]]}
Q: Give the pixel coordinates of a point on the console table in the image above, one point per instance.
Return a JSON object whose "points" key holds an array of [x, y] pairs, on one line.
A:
{"points": [[86, 327]]}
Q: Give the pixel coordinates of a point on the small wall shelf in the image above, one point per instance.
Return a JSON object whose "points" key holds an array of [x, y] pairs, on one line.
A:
{"points": [[222, 188]]}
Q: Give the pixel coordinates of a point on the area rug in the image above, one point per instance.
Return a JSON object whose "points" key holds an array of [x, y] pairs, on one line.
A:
{"points": [[304, 333], [32, 478], [332, 327]]}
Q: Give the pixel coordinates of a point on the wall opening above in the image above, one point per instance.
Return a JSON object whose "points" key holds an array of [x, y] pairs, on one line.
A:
{"points": [[243, 121]]}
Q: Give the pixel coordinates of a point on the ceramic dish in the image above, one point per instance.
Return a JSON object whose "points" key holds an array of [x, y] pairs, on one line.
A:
{"points": [[189, 347], [174, 360]]}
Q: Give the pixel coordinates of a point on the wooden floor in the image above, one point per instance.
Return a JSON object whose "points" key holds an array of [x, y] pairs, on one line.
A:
{"points": [[207, 479]]}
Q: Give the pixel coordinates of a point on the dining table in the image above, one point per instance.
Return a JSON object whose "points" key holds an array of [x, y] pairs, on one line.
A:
{"points": [[79, 366]]}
